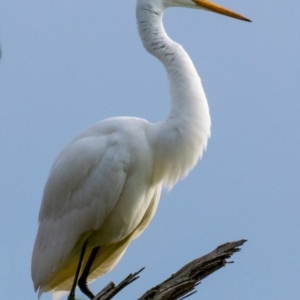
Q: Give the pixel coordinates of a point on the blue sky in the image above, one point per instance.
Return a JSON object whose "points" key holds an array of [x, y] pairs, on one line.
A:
{"points": [[67, 64]]}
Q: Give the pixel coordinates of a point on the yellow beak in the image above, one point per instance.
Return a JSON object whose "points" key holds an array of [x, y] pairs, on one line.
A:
{"points": [[207, 5]]}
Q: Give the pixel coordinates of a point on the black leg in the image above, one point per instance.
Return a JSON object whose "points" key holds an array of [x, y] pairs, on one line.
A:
{"points": [[82, 282], [72, 292]]}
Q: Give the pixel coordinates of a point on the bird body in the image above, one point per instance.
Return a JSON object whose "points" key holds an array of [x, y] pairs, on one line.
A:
{"points": [[103, 188], [100, 188]]}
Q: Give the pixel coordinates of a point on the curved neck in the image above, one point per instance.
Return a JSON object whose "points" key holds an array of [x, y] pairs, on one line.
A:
{"points": [[183, 136]]}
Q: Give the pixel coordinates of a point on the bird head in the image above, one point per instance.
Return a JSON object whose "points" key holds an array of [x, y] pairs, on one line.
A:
{"points": [[210, 6], [198, 4]]}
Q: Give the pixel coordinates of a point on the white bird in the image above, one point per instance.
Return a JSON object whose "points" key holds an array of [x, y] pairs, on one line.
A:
{"points": [[104, 187]]}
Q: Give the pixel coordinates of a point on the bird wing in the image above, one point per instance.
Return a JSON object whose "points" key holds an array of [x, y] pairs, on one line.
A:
{"points": [[109, 255], [83, 187]]}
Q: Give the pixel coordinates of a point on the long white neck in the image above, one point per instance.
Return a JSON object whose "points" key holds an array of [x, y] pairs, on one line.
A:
{"points": [[180, 140]]}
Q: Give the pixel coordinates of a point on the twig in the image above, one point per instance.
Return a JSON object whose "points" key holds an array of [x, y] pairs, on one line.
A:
{"points": [[111, 289]]}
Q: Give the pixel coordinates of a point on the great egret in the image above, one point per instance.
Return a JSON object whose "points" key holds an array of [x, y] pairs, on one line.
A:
{"points": [[104, 187]]}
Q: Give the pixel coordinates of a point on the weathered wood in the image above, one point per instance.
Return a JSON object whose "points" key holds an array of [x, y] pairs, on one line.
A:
{"points": [[111, 289], [181, 284]]}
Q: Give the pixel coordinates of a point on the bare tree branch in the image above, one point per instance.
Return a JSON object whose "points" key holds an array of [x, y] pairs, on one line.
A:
{"points": [[181, 284], [111, 289]]}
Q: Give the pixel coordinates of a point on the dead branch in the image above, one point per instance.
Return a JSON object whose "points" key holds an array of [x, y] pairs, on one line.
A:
{"points": [[181, 284]]}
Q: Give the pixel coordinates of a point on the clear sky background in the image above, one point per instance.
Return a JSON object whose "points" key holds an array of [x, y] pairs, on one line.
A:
{"points": [[67, 64]]}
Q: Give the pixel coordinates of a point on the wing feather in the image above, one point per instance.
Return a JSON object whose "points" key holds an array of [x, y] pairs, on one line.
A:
{"points": [[109, 255], [84, 185]]}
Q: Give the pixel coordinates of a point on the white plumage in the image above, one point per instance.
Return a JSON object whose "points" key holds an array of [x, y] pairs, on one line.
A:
{"points": [[104, 186]]}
